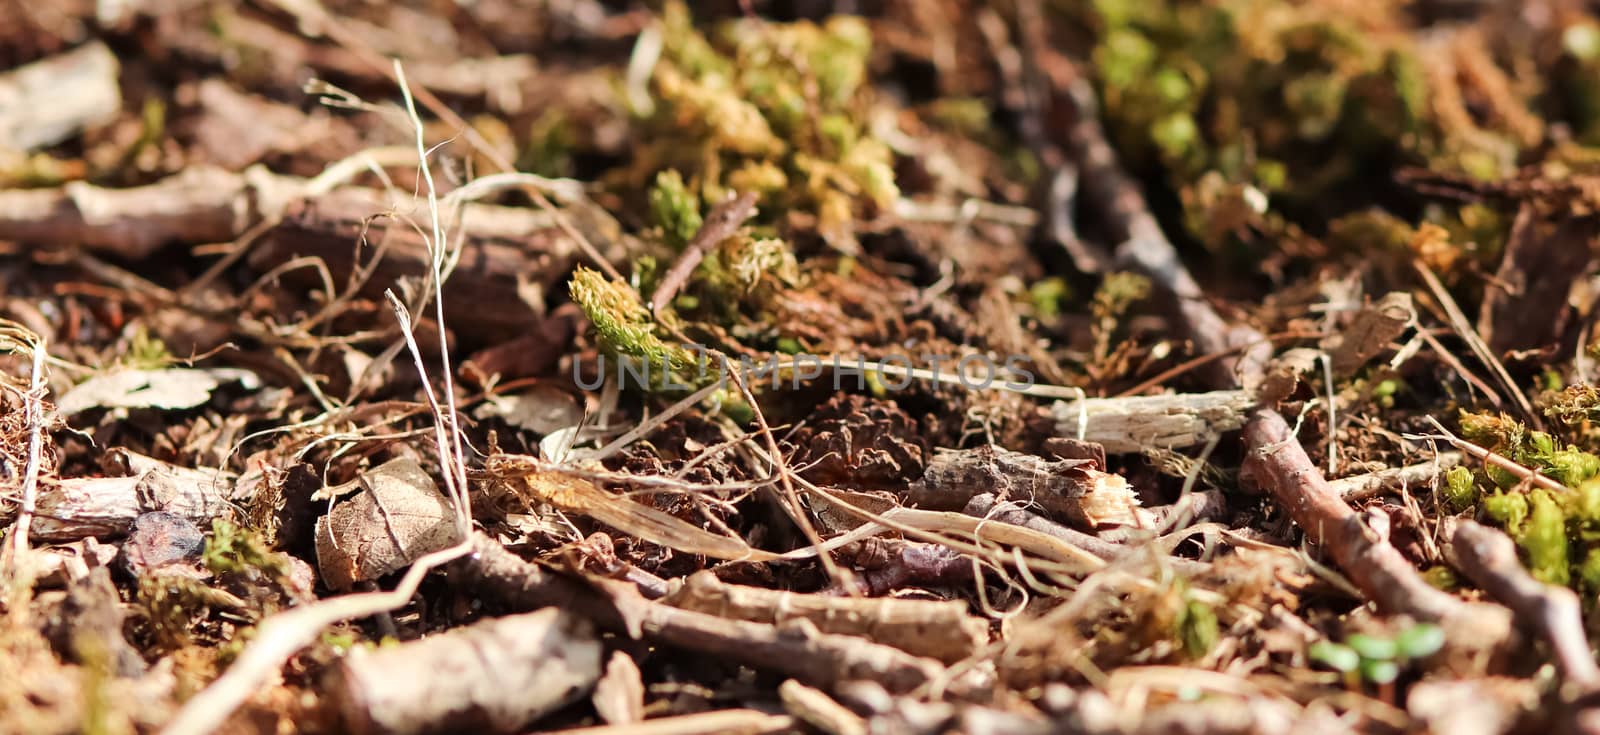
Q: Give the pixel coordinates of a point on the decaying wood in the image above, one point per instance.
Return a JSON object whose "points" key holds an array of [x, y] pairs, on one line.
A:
{"points": [[941, 630], [1489, 558], [75, 508], [53, 99], [494, 676], [199, 205], [1133, 424], [1362, 487], [1072, 490], [208, 205], [795, 648], [885, 565]]}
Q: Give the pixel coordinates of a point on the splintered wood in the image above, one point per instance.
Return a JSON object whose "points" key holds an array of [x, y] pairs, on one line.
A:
{"points": [[1134, 424], [1073, 489]]}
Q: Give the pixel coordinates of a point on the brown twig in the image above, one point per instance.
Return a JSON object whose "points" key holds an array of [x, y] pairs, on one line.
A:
{"points": [[1361, 487], [1360, 544], [795, 649], [1489, 558], [723, 220], [1500, 461]]}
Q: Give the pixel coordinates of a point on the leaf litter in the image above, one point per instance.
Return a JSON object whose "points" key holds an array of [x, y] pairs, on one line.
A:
{"points": [[919, 366]]}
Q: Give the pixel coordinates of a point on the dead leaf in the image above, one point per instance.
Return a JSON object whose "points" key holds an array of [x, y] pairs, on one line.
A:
{"points": [[543, 409], [166, 388], [1526, 306], [402, 516], [1374, 326]]}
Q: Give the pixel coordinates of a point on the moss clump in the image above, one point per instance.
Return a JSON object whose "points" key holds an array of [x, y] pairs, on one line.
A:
{"points": [[674, 209], [1303, 103], [779, 109], [1460, 489], [624, 325], [232, 549]]}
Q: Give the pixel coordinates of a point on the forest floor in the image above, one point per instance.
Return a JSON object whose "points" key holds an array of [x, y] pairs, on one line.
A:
{"points": [[906, 366]]}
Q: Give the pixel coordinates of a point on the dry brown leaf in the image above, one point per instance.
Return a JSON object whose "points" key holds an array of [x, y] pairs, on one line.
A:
{"points": [[1374, 326], [168, 388], [400, 517], [578, 495]]}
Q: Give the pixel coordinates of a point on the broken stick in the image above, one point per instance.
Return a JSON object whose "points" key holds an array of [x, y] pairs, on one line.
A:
{"points": [[795, 648], [1069, 489], [54, 99], [1133, 424], [937, 629]]}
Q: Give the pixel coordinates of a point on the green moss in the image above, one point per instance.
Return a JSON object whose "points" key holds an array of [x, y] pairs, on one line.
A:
{"points": [[674, 209], [146, 352], [1197, 628], [1460, 489], [1544, 539], [231, 549], [1223, 87], [774, 108], [1508, 510], [625, 325]]}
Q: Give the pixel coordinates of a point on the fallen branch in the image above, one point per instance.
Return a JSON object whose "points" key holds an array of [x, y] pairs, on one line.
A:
{"points": [[1133, 424], [795, 648], [1068, 489], [1489, 558], [937, 629], [75, 508], [1359, 543], [1362, 487]]}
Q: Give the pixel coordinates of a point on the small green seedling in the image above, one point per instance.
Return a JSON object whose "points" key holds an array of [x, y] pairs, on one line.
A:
{"points": [[1377, 660]]}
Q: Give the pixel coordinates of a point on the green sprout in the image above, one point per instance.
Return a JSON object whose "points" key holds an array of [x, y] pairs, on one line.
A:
{"points": [[1374, 659]]}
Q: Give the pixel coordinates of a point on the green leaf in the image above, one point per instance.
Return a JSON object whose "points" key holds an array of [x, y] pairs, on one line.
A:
{"points": [[1380, 672], [1342, 659], [1419, 641], [1371, 648]]}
